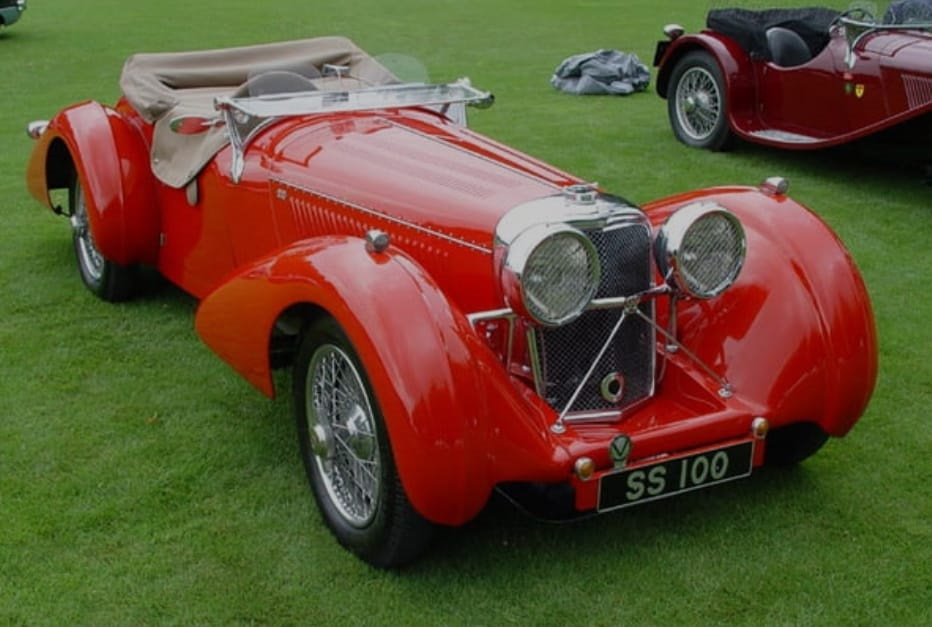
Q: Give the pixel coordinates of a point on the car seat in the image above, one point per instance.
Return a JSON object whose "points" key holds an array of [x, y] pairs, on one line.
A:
{"points": [[787, 48]]}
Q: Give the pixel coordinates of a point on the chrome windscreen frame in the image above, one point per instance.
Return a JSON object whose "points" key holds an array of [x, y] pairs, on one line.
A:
{"points": [[856, 30], [245, 117]]}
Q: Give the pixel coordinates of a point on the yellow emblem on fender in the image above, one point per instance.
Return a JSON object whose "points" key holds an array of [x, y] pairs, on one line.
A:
{"points": [[859, 90]]}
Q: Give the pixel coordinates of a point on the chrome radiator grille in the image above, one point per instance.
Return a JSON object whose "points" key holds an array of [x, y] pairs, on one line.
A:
{"points": [[566, 353]]}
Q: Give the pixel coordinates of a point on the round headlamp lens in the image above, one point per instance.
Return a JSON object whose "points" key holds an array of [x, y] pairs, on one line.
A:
{"points": [[556, 272], [701, 249]]}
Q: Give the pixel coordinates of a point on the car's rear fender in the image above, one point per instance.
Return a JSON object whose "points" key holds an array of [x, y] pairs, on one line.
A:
{"points": [[437, 383], [737, 70], [111, 160], [795, 335]]}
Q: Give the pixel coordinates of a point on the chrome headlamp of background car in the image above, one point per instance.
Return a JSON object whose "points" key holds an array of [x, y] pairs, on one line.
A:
{"points": [[700, 249], [551, 273]]}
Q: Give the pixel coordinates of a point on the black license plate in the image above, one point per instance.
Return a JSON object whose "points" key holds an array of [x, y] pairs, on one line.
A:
{"points": [[673, 476]]}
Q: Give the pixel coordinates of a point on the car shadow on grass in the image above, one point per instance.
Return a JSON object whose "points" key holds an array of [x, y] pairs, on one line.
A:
{"points": [[502, 533], [885, 159]]}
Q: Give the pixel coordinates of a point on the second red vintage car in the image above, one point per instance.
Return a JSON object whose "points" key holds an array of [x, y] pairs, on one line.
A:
{"points": [[801, 78], [459, 317]]}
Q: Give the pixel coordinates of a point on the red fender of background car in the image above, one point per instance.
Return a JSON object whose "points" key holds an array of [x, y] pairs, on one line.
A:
{"points": [[118, 184], [450, 409], [736, 67], [796, 331]]}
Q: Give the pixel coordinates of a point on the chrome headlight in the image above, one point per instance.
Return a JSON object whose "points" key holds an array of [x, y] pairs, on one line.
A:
{"points": [[700, 249], [551, 273]]}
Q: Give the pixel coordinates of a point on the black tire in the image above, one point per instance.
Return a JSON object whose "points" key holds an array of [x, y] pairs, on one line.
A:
{"points": [[107, 280], [697, 103], [789, 445], [332, 395]]}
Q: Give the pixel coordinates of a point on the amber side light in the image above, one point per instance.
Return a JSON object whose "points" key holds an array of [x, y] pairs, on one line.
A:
{"points": [[584, 468]]}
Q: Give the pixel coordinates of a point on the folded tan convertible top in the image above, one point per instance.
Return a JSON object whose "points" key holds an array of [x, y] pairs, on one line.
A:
{"points": [[162, 86]]}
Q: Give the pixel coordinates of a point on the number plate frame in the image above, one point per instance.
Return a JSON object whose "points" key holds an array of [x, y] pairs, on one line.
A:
{"points": [[674, 475]]}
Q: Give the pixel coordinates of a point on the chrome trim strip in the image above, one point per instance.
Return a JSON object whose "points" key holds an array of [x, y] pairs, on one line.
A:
{"points": [[595, 416], [536, 365], [492, 314], [382, 216], [597, 303], [606, 416]]}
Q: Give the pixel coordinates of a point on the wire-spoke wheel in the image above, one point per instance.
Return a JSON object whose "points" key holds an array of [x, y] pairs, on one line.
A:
{"points": [[341, 426], [107, 280], [696, 102], [346, 453]]}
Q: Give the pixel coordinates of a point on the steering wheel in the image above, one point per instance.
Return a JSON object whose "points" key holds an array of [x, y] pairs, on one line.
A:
{"points": [[274, 82], [858, 13]]}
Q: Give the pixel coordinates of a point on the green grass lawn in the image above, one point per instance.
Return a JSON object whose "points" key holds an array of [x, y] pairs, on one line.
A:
{"points": [[142, 481]]}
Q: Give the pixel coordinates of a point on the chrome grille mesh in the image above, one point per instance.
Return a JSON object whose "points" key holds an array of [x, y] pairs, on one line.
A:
{"points": [[566, 353]]}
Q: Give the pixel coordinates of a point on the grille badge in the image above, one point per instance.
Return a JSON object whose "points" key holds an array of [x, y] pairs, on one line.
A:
{"points": [[612, 387], [619, 450]]}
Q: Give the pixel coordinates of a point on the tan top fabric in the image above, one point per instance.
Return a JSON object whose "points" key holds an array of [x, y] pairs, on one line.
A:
{"points": [[163, 86]]}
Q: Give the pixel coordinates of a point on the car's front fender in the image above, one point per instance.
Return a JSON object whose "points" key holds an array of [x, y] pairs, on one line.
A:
{"points": [[112, 162], [736, 66], [451, 410], [795, 335]]}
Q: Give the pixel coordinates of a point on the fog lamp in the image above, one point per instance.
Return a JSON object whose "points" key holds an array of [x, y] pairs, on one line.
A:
{"points": [[759, 427], [584, 468]]}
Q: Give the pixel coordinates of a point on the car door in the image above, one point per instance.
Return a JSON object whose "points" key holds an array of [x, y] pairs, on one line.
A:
{"points": [[809, 100], [195, 249]]}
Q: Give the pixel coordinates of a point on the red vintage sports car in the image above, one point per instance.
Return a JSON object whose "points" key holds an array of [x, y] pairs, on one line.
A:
{"points": [[801, 78], [459, 317]]}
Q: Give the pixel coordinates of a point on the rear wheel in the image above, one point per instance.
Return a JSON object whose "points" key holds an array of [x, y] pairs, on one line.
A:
{"points": [[789, 445], [696, 103], [107, 280], [346, 452]]}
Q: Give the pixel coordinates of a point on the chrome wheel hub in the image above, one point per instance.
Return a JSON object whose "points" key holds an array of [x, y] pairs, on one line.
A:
{"points": [[698, 103]]}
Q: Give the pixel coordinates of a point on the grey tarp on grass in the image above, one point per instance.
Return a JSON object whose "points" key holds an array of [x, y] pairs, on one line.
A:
{"points": [[909, 12], [604, 71]]}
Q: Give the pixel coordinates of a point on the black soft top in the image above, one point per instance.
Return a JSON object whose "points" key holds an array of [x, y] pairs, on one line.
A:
{"points": [[748, 27]]}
